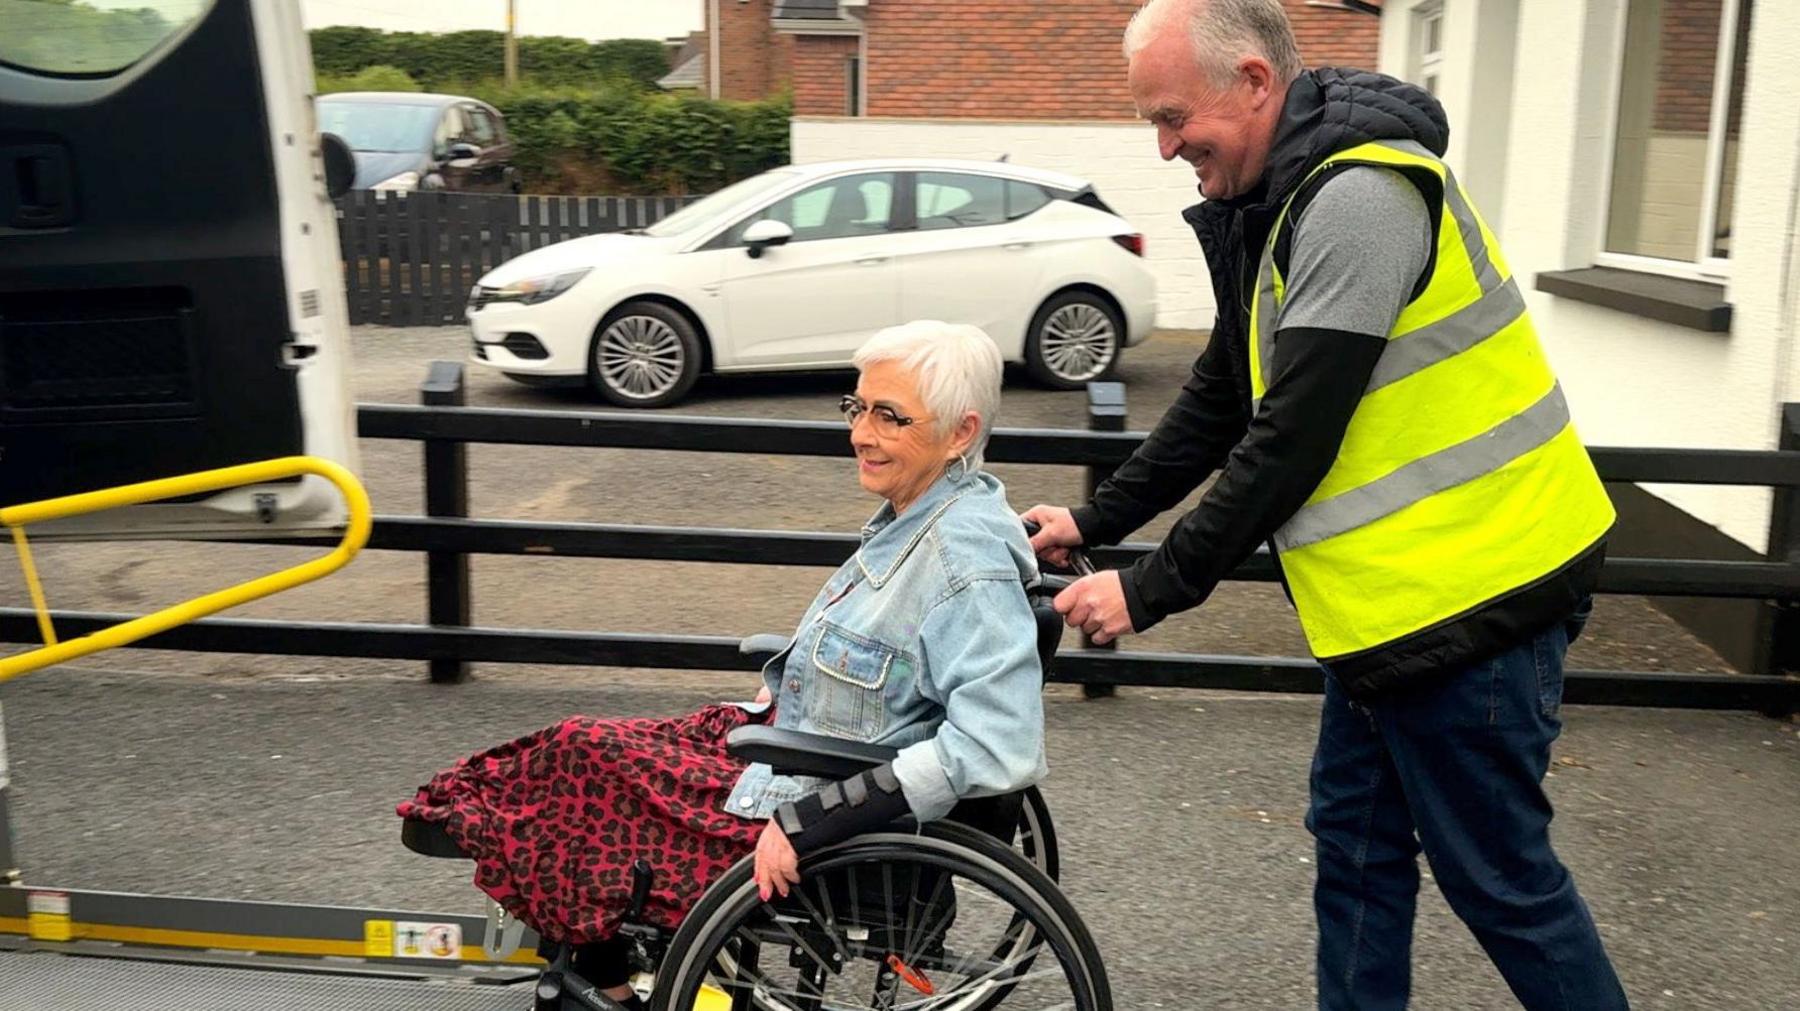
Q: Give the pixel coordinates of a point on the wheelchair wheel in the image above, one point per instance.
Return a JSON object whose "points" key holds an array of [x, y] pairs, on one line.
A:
{"points": [[945, 920], [1037, 834]]}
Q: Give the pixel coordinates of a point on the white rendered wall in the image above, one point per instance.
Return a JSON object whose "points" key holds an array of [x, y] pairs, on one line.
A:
{"points": [[1633, 381], [1120, 159], [1474, 86]]}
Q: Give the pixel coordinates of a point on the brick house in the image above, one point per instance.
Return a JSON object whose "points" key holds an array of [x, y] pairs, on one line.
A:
{"points": [[1036, 59]]}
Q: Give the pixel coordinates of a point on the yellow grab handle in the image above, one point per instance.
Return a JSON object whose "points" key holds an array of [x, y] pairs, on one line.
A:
{"points": [[355, 536]]}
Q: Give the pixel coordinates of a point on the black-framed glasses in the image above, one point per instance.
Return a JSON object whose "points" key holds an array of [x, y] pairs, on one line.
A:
{"points": [[888, 422]]}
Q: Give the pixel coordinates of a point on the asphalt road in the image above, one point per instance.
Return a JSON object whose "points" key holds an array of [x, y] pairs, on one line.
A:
{"points": [[1179, 815], [1180, 812]]}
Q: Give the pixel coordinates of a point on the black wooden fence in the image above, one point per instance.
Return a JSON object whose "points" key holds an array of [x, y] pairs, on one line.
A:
{"points": [[448, 537], [411, 258]]}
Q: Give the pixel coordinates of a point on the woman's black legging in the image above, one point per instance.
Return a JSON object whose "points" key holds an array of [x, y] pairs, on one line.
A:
{"points": [[604, 963]]}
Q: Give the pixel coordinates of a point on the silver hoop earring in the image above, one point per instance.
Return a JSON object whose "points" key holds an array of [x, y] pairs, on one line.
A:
{"points": [[954, 474]]}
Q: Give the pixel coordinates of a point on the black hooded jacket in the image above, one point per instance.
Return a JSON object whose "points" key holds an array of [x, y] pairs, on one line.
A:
{"points": [[1271, 459]]}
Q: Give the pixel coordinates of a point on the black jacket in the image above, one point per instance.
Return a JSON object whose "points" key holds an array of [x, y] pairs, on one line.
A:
{"points": [[1272, 459]]}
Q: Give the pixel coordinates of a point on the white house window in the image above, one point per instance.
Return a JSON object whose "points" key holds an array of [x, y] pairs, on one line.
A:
{"points": [[1675, 152], [1428, 46]]}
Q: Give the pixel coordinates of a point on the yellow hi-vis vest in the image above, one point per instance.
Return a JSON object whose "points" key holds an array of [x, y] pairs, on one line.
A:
{"points": [[1460, 478]]}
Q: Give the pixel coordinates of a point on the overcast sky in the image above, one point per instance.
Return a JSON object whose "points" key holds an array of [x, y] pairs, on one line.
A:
{"points": [[583, 19]]}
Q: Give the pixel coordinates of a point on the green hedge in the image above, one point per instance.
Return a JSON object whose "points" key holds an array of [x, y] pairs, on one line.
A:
{"points": [[620, 140], [586, 118], [436, 59], [377, 78]]}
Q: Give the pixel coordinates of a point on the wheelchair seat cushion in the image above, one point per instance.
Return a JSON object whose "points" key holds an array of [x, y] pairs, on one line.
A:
{"points": [[554, 820]]}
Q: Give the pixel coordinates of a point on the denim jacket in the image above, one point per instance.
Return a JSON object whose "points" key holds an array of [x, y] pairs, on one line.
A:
{"points": [[923, 641]]}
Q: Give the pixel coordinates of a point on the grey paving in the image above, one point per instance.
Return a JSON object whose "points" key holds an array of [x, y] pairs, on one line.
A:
{"points": [[1179, 814]]}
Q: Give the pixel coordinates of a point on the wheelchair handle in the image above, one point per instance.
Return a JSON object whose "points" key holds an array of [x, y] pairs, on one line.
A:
{"points": [[1079, 563]]}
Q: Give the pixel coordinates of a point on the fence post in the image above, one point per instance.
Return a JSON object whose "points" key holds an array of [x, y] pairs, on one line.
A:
{"points": [[446, 495], [1779, 649], [1106, 413], [9, 865]]}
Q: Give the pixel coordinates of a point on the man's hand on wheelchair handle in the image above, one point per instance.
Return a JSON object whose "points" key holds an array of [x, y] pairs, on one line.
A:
{"points": [[1057, 533], [1096, 605], [777, 865]]}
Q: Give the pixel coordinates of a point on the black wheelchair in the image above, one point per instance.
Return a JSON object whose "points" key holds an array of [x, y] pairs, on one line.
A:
{"points": [[962, 914]]}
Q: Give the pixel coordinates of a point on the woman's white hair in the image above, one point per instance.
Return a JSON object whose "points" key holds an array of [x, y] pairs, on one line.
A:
{"points": [[1222, 32], [956, 367]]}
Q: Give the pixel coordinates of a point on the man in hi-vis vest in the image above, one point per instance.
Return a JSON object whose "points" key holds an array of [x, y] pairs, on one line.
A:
{"points": [[1379, 410]]}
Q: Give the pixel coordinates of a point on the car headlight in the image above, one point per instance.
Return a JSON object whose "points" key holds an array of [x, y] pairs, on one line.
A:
{"points": [[403, 181], [532, 290]]}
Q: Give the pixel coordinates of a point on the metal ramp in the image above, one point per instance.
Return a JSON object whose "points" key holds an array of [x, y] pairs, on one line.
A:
{"points": [[55, 981]]}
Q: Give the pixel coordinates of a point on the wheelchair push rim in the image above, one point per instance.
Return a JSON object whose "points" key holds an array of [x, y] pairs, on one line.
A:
{"points": [[960, 924]]}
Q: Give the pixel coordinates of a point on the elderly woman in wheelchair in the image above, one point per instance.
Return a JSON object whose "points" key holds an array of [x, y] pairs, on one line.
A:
{"points": [[797, 847]]}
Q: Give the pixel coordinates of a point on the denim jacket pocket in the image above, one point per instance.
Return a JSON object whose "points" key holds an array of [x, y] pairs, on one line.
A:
{"points": [[851, 677]]}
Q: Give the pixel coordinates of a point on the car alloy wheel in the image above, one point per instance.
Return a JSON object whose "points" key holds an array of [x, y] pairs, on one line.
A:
{"points": [[640, 357], [1078, 342]]}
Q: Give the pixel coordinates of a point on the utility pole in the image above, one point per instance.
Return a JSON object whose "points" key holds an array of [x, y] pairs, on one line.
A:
{"points": [[512, 46]]}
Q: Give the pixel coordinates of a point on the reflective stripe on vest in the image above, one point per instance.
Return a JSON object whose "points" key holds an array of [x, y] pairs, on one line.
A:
{"points": [[1459, 478]]}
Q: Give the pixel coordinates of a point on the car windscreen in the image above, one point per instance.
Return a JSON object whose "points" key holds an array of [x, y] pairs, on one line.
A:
{"points": [[704, 209], [379, 126]]}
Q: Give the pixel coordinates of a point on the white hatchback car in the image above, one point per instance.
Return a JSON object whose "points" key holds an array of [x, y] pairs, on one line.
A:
{"points": [[794, 268]]}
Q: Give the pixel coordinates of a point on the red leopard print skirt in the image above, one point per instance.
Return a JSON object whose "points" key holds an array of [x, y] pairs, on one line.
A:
{"points": [[555, 819]]}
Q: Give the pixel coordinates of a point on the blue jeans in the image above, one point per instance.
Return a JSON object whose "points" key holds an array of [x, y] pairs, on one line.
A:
{"points": [[1454, 769]]}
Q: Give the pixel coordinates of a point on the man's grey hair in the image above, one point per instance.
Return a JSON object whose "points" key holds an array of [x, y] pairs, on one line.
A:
{"points": [[956, 368], [1222, 32]]}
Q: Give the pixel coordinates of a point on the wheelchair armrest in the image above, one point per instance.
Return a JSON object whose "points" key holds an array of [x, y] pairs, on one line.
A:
{"points": [[763, 646], [792, 753]]}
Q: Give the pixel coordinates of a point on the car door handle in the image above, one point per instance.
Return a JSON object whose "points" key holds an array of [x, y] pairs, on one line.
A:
{"points": [[1015, 246], [870, 261]]}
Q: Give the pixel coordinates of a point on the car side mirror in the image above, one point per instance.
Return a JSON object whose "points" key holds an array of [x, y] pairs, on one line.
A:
{"points": [[462, 152], [765, 233], [340, 164]]}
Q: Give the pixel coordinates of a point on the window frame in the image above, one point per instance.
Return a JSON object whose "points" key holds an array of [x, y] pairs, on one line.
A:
{"points": [[853, 84], [1428, 61], [1704, 266]]}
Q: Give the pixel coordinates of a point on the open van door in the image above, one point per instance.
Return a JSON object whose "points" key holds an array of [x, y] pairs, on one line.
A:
{"points": [[171, 298]]}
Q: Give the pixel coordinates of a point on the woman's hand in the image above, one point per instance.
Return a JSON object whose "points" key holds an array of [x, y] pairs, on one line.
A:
{"points": [[777, 865], [763, 695]]}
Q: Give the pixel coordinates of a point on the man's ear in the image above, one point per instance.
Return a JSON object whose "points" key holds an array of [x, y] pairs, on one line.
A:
{"points": [[1257, 72]]}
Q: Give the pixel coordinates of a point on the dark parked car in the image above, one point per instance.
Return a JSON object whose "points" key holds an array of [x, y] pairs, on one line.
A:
{"points": [[406, 141]]}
